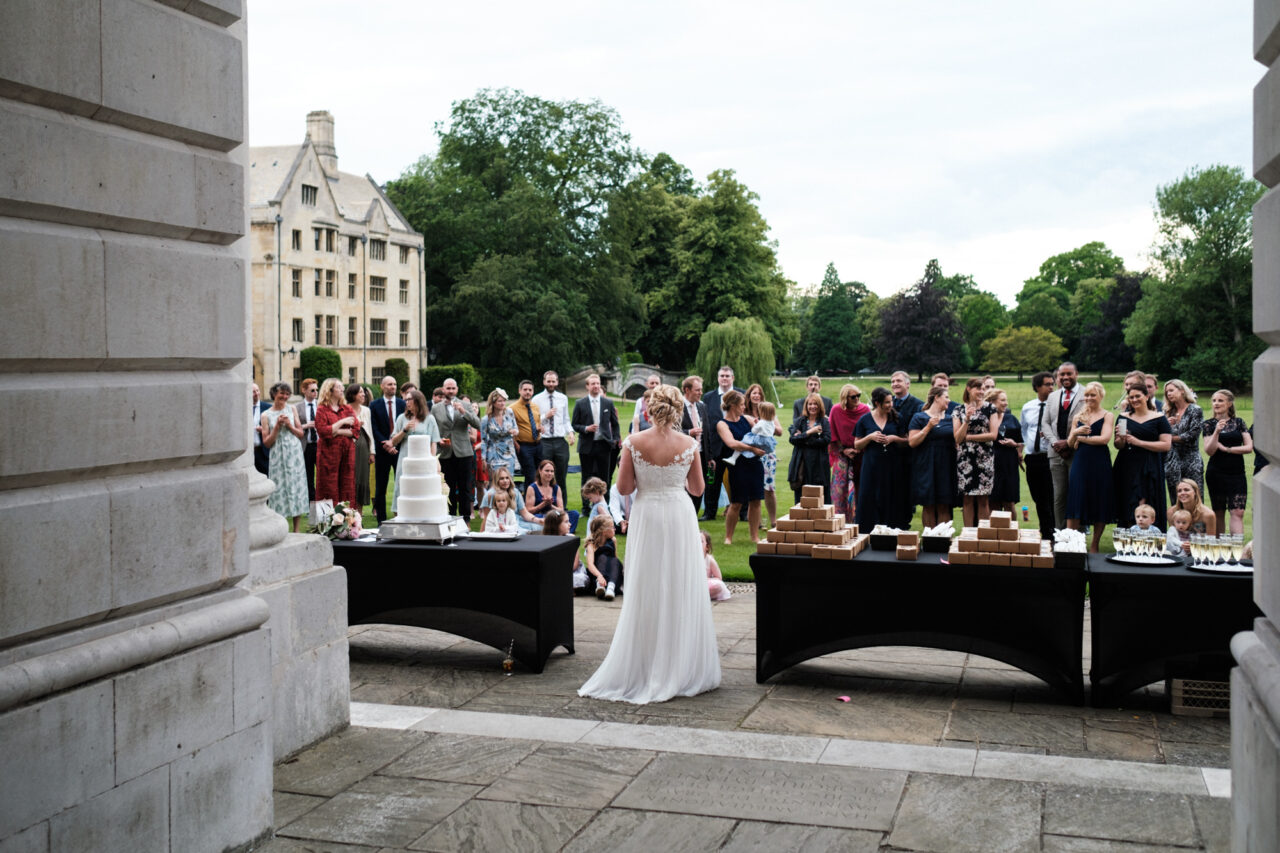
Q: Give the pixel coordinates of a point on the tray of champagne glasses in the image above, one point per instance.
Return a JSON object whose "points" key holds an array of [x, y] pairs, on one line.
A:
{"points": [[1137, 547], [1220, 554]]}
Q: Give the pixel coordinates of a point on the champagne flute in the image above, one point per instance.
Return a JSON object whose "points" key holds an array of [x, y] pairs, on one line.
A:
{"points": [[1196, 543]]}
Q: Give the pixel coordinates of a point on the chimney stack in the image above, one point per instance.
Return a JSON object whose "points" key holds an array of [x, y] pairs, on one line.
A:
{"points": [[320, 129]]}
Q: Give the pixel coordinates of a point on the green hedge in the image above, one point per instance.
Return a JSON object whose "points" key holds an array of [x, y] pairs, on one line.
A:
{"points": [[319, 363], [399, 368], [468, 379]]}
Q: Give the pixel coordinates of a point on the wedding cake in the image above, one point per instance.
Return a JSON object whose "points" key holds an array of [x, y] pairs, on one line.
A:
{"points": [[421, 498]]}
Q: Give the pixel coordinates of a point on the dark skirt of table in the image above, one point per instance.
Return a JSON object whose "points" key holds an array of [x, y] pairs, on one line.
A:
{"points": [[497, 593]]}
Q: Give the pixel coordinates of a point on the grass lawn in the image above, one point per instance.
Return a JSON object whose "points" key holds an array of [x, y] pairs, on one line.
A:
{"points": [[733, 559]]}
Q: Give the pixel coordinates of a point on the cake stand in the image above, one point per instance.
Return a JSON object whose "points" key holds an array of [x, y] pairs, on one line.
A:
{"points": [[439, 530]]}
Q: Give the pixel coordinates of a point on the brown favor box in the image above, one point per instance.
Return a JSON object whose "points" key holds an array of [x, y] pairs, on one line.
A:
{"points": [[1007, 534], [958, 558], [1028, 546], [1023, 560], [798, 513], [822, 513], [841, 552], [967, 545], [804, 549], [1041, 561], [795, 536], [810, 502], [909, 539], [828, 525], [996, 559], [804, 524], [813, 537], [785, 523], [820, 552], [986, 531], [811, 491], [776, 535], [908, 552], [790, 548], [1007, 546], [766, 547], [1002, 518]]}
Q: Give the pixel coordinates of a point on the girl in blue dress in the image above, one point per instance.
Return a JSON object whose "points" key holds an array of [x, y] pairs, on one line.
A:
{"points": [[1089, 492]]}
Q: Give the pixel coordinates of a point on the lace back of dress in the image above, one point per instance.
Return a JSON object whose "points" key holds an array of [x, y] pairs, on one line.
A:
{"points": [[661, 475]]}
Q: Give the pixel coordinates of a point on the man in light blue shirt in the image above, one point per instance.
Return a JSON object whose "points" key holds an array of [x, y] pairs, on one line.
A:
{"points": [[1036, 457]]}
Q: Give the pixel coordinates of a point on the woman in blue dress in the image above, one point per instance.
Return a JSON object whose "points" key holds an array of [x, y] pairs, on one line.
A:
{"points": [[498, 433], [1143, 435], [1090, 497], [931, 435], [1008, 461], [746, 476], [878, 488]]}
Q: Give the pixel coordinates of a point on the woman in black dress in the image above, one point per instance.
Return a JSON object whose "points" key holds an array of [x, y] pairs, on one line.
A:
{"points": [[1090, 496], [1142, 435], [746, 477], [878, 488], [1004, 493], [809, 435], [1227, 440], [933, 481]]}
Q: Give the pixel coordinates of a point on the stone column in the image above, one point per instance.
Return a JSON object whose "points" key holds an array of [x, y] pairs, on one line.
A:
{"points": [[135, 676], [1255, 683]]}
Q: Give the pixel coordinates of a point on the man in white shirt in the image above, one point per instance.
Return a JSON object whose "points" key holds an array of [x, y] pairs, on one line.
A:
{"points": [[595, 420], [307, 421], [555, 431], [1036, 457]]}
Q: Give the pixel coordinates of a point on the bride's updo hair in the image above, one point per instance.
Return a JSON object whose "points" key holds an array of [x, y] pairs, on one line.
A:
{"points": [[666, 406]]}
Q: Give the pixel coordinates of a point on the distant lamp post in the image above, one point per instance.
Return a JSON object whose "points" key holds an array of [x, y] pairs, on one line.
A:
{"points": [[279, 299]]}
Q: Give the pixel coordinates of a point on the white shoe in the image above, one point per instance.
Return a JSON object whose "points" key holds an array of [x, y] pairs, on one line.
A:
{"points": [[608, 593], [599, 591]]}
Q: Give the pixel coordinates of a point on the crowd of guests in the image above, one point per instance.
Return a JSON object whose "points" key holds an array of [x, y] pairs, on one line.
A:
{"points": [[877, 461]]}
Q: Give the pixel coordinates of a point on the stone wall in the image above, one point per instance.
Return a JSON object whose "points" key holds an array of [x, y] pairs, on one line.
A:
{"points": [[135, 676], [1255, 684]]}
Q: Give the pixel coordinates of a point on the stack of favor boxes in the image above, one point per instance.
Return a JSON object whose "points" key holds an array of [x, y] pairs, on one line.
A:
{"points": [[997, 541], [813, 529]]}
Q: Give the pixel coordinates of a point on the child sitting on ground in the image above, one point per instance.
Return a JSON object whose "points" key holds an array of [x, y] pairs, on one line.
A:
{"points": [[602, 557], [1178, 540], [593, 496], [715, 581], [556, 523], [761, 434], [502, 516], [1145, 516]]}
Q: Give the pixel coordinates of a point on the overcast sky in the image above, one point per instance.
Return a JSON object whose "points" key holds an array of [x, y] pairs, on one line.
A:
{"points": [[989, 135]]}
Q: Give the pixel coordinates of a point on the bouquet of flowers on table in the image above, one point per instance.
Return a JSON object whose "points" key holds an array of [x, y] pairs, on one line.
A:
{"points": [[341, 522]]}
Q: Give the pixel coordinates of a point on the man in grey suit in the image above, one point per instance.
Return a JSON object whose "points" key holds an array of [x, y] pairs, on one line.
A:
{"points": [[693, 422], [1061, 409], [457, 459]]}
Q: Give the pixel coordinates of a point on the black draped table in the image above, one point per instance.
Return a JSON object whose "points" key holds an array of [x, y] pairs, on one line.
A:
{"points": [[490, 592], [1155, 622], [1030, 618]]}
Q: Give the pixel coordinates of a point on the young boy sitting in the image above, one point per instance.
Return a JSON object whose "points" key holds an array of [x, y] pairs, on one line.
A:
{"points": [[1178, 540], [1145, 516], [761, 434]]}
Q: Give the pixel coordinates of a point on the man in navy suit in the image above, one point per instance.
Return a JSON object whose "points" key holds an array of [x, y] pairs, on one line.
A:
{"points": [[711, 498], [260, 453], [595, 419], [382, 414]]}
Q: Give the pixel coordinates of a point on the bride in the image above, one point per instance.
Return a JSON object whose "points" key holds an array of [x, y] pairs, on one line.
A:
{"points": [[665, 642]]}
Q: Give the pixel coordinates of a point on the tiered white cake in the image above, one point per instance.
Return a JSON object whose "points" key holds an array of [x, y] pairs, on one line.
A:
{"points": [[420, 498]]}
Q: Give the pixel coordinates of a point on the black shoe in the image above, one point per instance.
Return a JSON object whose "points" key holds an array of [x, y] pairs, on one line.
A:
{"points": [[706, 518]]}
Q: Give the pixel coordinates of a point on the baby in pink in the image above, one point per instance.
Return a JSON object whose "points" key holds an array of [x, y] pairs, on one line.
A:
{"points": [[715, 581]]}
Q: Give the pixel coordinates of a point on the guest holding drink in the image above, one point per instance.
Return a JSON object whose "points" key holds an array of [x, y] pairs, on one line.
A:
{"points": [[498, 431], [931, 434], [336, 427], [1186, 419], [1227, 441], [283, 438], [357, 397], [976, 427], [1008, 461], [880, 440], [1141, 436], [640, 420], [746, 477], [843, 455], [809, 435], [544, 494], [1090, 495]]}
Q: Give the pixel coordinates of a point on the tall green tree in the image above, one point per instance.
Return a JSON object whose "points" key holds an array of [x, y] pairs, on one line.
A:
{"points": [[919, 329], [831, 337], [1058, 278], [1043, 310], [1023, 349], [1196, 319], [512, 209], [1102, 345], [982, 316]]}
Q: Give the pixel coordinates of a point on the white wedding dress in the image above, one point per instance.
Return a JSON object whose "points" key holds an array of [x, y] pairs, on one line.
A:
{"points": [[665, 642]]}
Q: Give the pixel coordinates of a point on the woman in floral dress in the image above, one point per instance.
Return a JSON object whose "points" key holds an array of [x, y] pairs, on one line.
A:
{"points": [[287, 470], [1186, 419], [498, 433], [976, 427]]}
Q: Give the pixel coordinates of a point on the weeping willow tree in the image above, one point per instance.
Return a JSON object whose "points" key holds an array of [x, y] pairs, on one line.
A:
{"points": [[744, 345]]}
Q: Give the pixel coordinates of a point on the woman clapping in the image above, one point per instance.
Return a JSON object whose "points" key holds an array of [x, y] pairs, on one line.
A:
{"points": [[809, 435], [1090, 496], [934, 475], [976, 428], [1227, 440]]}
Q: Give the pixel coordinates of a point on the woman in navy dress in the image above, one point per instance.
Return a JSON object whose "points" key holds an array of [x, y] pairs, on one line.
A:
{"points": [[746, 477], [1143, 435], [1227, 440], [933, 482], [878, 488], [1004, 492], [1090, 496]]}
